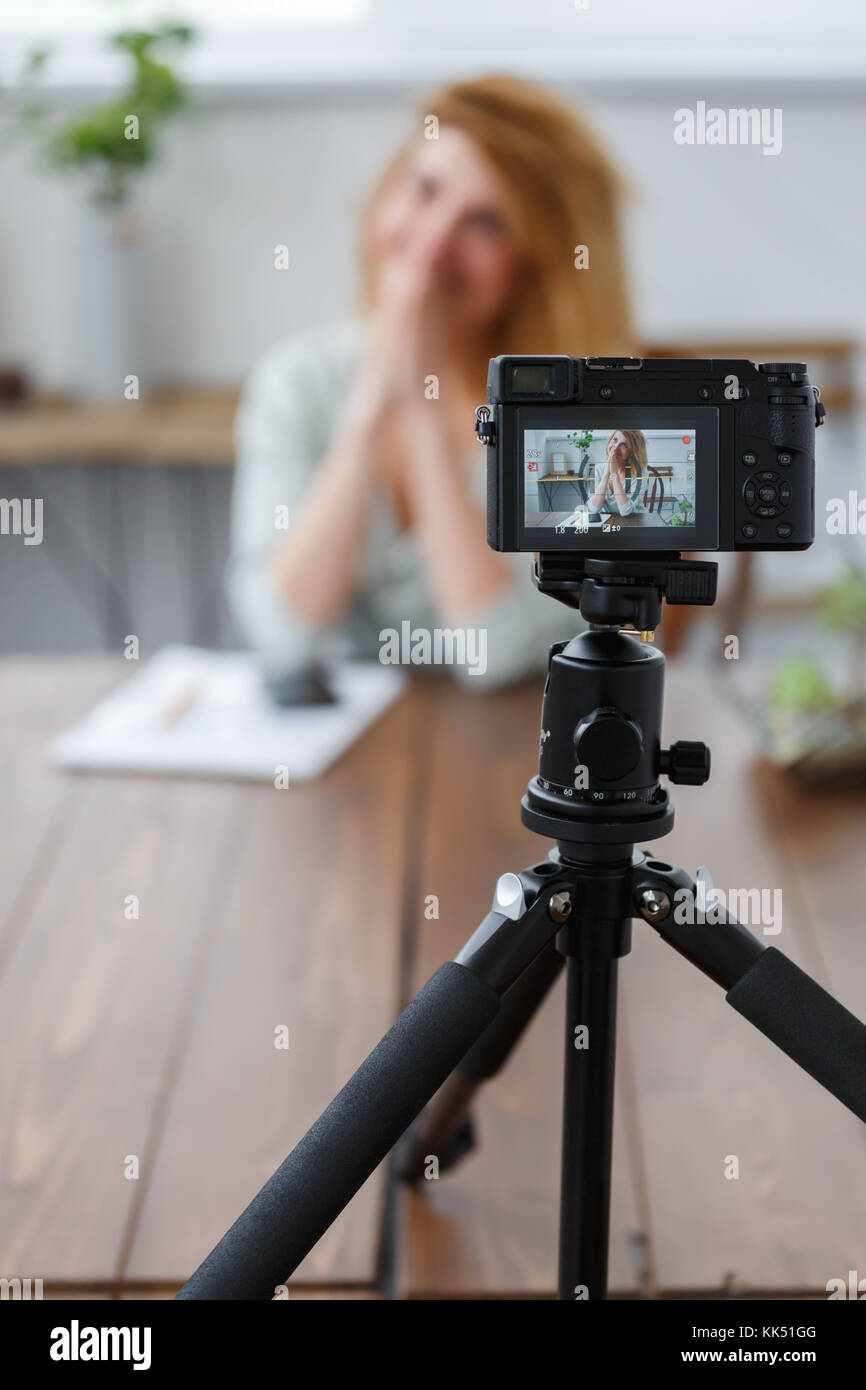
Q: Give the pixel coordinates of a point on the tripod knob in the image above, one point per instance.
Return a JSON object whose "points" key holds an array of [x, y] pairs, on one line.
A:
{"points": [[686, 763], [609, 744]]}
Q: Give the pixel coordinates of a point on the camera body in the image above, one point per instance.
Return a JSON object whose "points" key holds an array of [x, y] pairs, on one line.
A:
{"points": [[605, 454]]}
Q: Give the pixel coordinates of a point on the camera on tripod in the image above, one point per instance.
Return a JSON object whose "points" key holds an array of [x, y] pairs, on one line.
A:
{"points": [[606, 454], [705, 470]]}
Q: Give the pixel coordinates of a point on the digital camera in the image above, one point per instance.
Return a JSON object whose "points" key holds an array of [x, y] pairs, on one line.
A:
{"points": [[639, 454]]}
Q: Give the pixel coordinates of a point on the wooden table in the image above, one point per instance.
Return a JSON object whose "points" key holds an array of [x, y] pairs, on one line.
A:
{"points": [[142, 1099], [171, 428]]}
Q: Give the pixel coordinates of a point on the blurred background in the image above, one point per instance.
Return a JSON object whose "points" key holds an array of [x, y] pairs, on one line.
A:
{"points": [[290, 113], [279, 118]]}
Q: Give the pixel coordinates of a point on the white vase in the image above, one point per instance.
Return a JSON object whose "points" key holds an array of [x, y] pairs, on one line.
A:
{"points": [[108, 303]]}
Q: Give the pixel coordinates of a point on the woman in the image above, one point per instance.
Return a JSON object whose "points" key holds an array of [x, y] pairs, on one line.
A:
{"points": [[359, 490], [622, 482]]}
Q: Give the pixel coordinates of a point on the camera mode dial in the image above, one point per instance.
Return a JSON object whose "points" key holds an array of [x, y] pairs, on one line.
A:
{"points": [[783, 368]]}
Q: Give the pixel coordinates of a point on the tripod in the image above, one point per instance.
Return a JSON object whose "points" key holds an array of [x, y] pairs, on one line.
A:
{"points": [[597, 794]]}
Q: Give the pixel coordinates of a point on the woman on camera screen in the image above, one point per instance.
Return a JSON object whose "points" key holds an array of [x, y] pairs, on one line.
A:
{"points": [[359, 494], [621, 480]]}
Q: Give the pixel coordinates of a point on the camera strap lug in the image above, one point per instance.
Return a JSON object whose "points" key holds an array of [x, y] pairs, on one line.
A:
{"points": [[485, 430], [820, 408]]}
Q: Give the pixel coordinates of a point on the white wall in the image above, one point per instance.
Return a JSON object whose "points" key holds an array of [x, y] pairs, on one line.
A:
{"points": [[722, 239]]}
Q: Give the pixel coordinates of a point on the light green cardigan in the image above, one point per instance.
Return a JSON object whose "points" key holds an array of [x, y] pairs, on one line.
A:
{"points": [[288, 411]]}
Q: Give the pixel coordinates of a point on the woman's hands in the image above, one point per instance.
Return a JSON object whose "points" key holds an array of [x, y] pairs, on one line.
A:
{"points": [[618, 482], [614, 477], [405, 330], [390, 433], [414, 341], [596, 502]]}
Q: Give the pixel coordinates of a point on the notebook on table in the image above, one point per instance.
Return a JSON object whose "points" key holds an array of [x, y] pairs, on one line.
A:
{"points": [[208, 714]]}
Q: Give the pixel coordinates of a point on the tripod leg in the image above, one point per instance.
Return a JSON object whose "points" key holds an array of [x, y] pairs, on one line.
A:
{"points": [[593, 945], [587, 1134], [324, 1171], [762, 984], [443, 1126], [311, 1187]]}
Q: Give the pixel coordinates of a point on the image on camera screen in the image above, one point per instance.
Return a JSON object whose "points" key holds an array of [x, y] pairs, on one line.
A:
{"points": [[604, 480]]}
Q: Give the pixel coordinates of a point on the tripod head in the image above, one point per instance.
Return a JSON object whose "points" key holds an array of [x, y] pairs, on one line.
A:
{"points": [[613, 591], [600, 749]]}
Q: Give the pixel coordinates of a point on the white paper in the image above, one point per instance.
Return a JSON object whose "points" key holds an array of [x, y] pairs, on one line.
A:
{"points": [[207, 714]]}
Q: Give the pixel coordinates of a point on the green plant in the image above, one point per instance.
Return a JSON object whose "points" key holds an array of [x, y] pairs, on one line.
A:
{"points": [[116, 139], [580, 439], [799, 685], [842, 606], [684, 514]]}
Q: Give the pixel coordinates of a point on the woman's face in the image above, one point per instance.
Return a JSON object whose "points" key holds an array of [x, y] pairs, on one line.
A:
{"points": [[450, 195], [618, 449]]}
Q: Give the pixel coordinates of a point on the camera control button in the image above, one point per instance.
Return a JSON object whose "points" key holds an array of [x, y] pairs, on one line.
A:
{"points": [[767, 493], [750, 458], [766, 477], [785, 459], [750, 530], [750, 493], [783, 530], [785, 494]]}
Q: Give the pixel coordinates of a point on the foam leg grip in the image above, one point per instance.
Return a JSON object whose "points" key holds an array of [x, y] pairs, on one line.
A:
{"points": [[807, 1023], [348, 1141], [519, 1005]]}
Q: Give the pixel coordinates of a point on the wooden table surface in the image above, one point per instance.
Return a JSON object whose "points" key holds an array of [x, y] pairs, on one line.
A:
{"points": [[142, 1099], [189, 427]]}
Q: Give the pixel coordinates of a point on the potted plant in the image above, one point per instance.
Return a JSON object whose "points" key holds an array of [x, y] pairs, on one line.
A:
{"points": [[817, 726], [683, 514], [581, 441], [110, 144]]}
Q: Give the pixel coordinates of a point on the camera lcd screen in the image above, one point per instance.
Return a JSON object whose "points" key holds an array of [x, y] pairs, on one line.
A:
{"points": [[626, 484]]}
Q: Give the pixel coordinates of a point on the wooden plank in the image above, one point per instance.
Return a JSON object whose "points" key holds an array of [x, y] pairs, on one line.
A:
{"points": [[822, 837], [38, 698], [490, 1226], [90, 998], [709, 1085], [78, 1293], [307, 936], [296, 1295]]}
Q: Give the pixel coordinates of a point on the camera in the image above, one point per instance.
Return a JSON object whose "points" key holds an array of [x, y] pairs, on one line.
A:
{"points": [[599, 454]]}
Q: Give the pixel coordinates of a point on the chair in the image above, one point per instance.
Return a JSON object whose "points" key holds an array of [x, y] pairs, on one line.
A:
{"points": [[654, 496]]}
